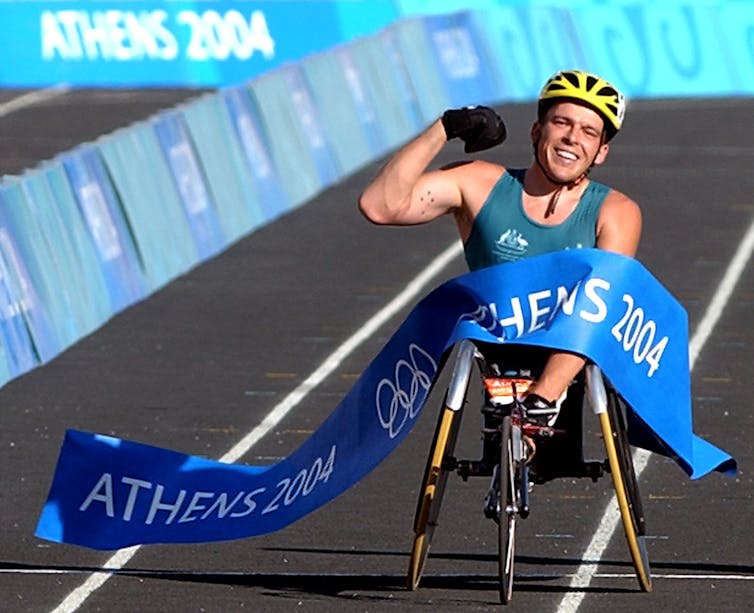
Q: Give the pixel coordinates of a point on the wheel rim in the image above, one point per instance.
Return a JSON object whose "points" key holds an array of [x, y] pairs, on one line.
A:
{"points": [[507, 514], [432, 490], [621, 469]]}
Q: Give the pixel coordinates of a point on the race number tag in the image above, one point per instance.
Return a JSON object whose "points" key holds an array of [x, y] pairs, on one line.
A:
{"points": [[505, 391]]}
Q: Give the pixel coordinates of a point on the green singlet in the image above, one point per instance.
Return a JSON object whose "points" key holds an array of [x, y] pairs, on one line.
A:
{"points": [[503, 232]]}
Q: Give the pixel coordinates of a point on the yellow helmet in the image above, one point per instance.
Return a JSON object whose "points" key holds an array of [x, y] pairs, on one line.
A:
{"points": [[590, 89]]}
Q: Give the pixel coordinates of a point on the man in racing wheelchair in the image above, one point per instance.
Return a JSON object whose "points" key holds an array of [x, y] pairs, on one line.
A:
{"points": [[505, 214]]}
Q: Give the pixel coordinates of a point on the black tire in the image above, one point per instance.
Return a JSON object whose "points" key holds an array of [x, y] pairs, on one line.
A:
{"points": [[431, 492], [615, 432], [507, 513]]}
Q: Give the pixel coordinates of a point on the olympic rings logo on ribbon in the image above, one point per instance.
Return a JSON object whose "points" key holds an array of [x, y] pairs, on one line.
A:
{"points": [[401, 399], [485, 317]]}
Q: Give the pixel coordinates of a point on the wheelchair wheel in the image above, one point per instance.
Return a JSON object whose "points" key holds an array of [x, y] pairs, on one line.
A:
{"points": [[432, 490], [507, 514], [440, 456], [614, 430]]}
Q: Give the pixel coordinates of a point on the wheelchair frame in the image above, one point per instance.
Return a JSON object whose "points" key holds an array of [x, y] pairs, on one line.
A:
{"points": [[506, 459]]}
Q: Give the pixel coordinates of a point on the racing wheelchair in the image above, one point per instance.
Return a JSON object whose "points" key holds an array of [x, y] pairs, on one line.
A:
{"points": [[517, 452]]}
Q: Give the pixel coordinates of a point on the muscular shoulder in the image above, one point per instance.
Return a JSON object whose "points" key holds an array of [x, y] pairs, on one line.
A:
{"points": [[619, 224], [617, 204], [475, 180]]}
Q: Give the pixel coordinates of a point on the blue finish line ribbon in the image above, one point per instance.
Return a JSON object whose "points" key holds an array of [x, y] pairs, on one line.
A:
{"points": [[109, 493]]}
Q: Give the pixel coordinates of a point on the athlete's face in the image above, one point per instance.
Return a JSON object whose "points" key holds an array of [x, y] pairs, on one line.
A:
{"points": [[569, 140]]}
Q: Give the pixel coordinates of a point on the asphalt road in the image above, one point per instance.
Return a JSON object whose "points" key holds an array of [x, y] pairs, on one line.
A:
{"points": [[200, 364]]}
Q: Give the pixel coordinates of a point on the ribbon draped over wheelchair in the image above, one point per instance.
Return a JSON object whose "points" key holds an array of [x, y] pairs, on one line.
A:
{"points": [[109, 493]]}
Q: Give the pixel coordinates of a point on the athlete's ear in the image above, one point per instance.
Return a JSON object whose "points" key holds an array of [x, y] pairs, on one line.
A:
{"points": [[601, 154], [536, 131]]}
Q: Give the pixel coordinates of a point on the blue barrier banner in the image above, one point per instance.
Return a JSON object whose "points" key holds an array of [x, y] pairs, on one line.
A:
{"points": [[528, 44], [432, 7], [109, 493], [462, 59], [34, 210], [17, 353], [255, 145], [103, 216], [221, 157], [647, 49], [418, 56], [151, 202], [82, 261], [343, 119], [17, 298], [681, 48], [190, 183], [737, 23], [665, 49], [26, 285], [300, 144], [387, 82], [171, 43], [364, 104], [66, 247]]}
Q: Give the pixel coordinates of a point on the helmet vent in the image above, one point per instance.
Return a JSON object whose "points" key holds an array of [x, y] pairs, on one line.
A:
{"points": [[589, 89], [571, 78]]}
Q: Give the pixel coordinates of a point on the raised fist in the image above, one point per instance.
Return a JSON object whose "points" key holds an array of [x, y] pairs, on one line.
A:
{"points": [[479, 127]]}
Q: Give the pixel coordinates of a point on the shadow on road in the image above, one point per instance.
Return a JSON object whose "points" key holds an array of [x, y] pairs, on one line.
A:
{"points": [[337, 584]]}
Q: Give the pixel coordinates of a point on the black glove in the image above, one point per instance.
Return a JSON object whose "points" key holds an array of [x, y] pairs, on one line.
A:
{"points": [[479, 127]]}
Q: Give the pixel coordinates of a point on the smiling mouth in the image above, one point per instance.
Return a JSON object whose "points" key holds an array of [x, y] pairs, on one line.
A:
{"points": [[566, 155]]}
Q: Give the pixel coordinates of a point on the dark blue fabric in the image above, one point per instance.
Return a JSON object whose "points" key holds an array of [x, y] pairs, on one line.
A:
{"points": [[109, 493]]}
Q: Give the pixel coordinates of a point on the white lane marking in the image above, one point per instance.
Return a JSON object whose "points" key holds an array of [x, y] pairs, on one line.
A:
{"points": [[722, 295], [78, 596], [610, 517], [679, 577], [31, 98]]}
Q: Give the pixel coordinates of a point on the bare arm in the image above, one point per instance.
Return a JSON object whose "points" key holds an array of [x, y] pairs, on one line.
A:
{"points": [[402, 193], [619, 225], [618, 230]]}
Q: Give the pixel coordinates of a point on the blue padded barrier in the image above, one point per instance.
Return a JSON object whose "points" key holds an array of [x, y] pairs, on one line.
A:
{"points": [[379, 61], [190, 183], [104, 219], [17, 298], [527, 45], [298, 144], [334, 91], [33, 284], [151, 202], [736, 20], [664, 49], [417, 54], [462, 58], [77, 278], [220, 155], [250, 136], [365, 106]]}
